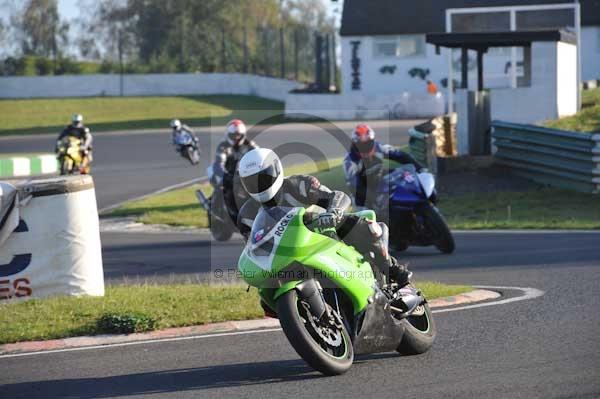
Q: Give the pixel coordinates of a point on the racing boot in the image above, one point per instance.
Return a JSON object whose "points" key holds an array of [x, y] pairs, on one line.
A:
{"points": [[398, 272]]}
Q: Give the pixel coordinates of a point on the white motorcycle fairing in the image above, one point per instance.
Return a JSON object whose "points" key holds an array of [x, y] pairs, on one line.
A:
{"points": [[427, 183]]}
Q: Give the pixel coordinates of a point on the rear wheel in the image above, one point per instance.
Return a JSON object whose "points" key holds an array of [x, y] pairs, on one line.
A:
{"points": [[326, 347], [438, 228], [419, 332]]}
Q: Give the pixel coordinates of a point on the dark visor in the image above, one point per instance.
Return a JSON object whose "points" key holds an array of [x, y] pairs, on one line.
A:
{"points": [[261, 181], [365, 147]]}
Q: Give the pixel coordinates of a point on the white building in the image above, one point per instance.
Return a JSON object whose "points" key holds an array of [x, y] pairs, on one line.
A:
{"points": [[384, 40]]}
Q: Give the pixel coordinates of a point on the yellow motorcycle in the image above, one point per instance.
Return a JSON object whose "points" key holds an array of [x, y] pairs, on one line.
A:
{"points": [[70, 157]]}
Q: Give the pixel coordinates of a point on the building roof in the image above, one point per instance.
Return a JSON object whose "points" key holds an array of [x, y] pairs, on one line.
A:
{"points": [[394, 17], [484, 40]]}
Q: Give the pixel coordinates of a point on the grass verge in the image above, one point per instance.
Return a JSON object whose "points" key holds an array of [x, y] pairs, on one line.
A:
{"points": [[120, 113], [538, 208], [587, 120], [181, 207], [143, 308]]}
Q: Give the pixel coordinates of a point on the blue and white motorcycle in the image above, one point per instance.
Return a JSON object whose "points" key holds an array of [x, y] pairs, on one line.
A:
{"points": [[407, 200], [187, 147]]}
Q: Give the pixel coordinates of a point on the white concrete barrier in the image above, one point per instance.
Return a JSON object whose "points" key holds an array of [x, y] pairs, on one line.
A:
{"points": [[365, 106], [55, 248], [145, 85]]}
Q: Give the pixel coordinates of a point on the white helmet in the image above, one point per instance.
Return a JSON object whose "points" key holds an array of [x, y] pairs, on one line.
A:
{"points": [[236, 131], [261, 174], [77, 119], [176, 124]]}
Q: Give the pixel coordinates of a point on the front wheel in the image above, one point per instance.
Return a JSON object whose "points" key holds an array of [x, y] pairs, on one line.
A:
{"points": [[220, 227], [324, 346], [438, 228], [419, 332], [192, 155], [66, 166]]}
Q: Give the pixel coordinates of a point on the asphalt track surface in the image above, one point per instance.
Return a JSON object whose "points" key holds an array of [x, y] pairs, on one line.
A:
{"points": [[134, 163], [546, 347]]}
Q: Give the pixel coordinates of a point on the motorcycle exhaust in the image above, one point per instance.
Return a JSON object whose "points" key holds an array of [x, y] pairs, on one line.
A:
{"points": [[408, 302]]}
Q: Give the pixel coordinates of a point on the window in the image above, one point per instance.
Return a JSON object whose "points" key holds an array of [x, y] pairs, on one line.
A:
{"points": [[399, 46]]}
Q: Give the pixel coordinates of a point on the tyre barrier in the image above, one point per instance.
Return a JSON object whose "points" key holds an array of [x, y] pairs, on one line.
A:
{"points": [[50, 239]]}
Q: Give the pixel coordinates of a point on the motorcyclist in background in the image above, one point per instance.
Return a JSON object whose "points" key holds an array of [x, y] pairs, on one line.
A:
{"points": [[79, 130], [185, 141], [228, 153], [261, 174], [179, 128], [364, 163]]}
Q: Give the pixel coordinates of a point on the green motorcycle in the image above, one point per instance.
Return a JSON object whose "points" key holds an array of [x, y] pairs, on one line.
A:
{"points": [[329, 300]]}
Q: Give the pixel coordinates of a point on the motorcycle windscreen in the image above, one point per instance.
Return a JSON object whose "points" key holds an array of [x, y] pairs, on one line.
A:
{"points": [[183, 139], [264, 222]]}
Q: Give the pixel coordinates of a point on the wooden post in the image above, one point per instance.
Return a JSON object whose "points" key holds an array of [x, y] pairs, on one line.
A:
{"points": [[464, 65], [296, 50], [319, 61], [223, 50], [334, 61], [282, 52], [245, 49], [448, 139], [480, 69]]}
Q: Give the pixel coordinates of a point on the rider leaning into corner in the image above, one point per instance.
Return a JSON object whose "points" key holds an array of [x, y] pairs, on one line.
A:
{"points": [[79, 130], [364, 163], [261, 175], [228, 154], [179, 128]]}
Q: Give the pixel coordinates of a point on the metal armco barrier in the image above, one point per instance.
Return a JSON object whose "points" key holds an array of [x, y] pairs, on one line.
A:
{"points": [[554, 157]]}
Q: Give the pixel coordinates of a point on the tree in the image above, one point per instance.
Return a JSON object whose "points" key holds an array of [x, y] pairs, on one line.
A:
{"points": [[42, 33], [204, 35]]}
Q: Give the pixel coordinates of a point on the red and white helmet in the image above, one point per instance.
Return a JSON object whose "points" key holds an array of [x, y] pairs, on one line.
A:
{"points": [[236, 131], [363, 138]]}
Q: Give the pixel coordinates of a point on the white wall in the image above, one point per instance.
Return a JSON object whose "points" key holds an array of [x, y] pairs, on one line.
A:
{"points": [[590, 54], [373, 81], [145, 85], [495, 75], [566, 79], [350, 106], [550, 75]]}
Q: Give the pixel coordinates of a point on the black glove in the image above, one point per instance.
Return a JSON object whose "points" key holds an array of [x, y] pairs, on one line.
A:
{"points": [[227, 180], [329, 219], [375, 169]]}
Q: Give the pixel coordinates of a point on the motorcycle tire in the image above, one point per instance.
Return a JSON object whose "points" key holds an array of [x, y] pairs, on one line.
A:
{"points": [[435, 223], [419, 333], [192, 155], [65, 166], [221, 230], [301, 335], [399, 245]]}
